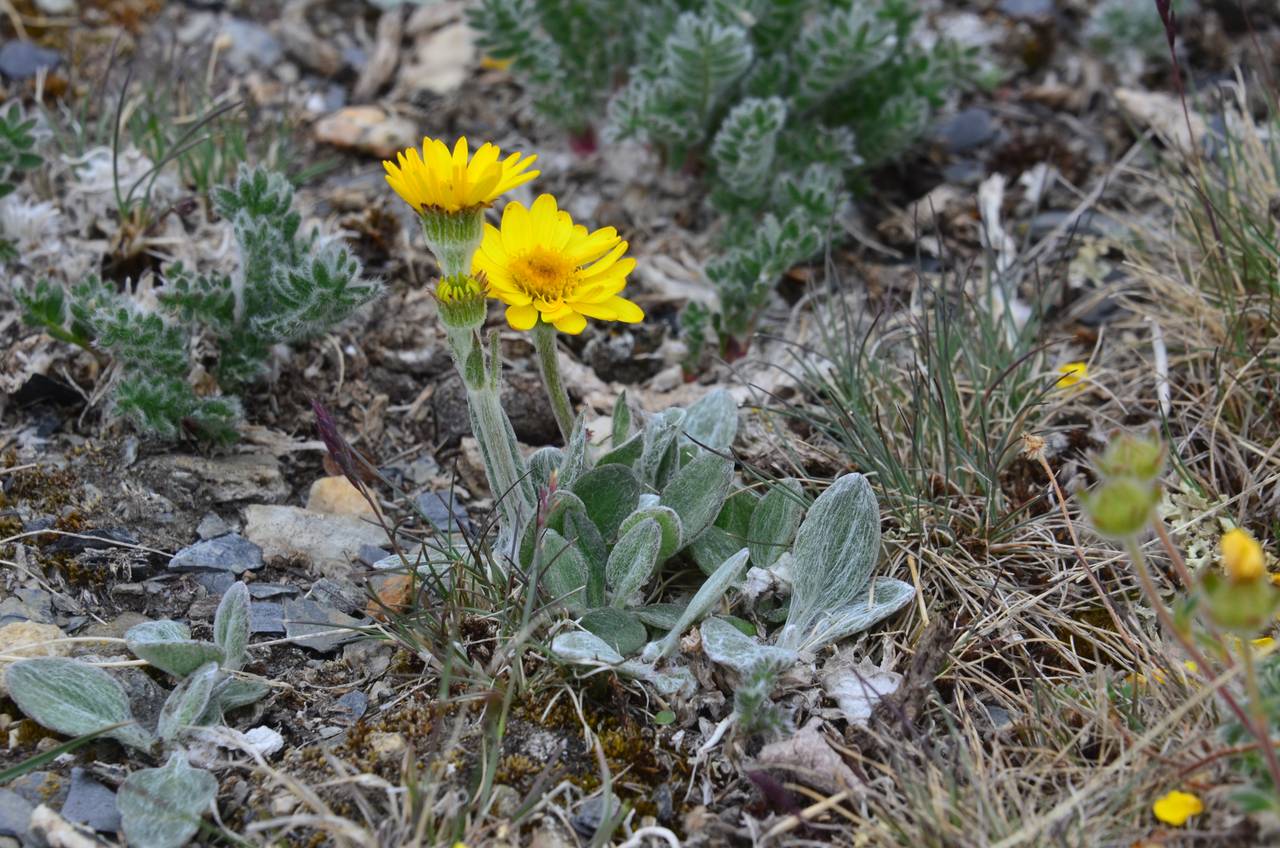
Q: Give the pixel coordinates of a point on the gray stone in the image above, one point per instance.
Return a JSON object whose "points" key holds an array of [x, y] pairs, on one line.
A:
{"points": [[249, 45], [1027, 10], [217, 582], [90, 803], [330, 542], [40, 787], [262, 591], [212, 526], [266, 617], [342, 595], [352, 705], [586, 821], [317, 627], [241, 477], [436, 508], [15, 814], [21, 60], [100, 539], [232, 552], [967, 130], [146, 697]]}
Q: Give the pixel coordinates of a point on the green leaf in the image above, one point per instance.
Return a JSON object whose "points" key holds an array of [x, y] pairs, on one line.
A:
{"points": [[659, 616], [575, 454], [231, 626], [775, 521], [703, 600], [584, 534], [664, 717], [187, 703], [633, 560], [621, 420], [659, 445], [725, 644], [74, 699], [231, 693], [169, 647], [670, 523], [698, 491], [712, 422], [542, 463], [627, 453], [610, 494], [565, 572], [735, 515], [713, 546], [618, 628], [162, 807]]}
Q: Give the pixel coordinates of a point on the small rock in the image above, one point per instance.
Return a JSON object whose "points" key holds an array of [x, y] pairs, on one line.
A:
{"points": [[21, 60], [266, 617], [203, 609], [216, 582], [15, 815], [90, 803], [212, 526], [15, 637], [242, 477], [1027, 10], [616, 357], [367, 129], [352, 705], [116, 627], [369, 555], [442, 60], [40, 787], [248, 45], [262, 591], [967, 130], [586, 821], [387, 745], [336, 495], [232, 552], [444, 512], [330, 542], [108, 537], [421, 471], [304, 617], [342, 595], [14, 610], [146, 697]]}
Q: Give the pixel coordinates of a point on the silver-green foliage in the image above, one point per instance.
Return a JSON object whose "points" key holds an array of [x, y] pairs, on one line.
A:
{"points": [[756, 92], [162, 807], [289, 286]]}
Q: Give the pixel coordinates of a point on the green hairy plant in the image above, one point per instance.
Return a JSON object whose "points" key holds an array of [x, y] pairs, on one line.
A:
{"points": [[159, 807], [16, 157], [778, 103], [289, 286], [607, 527]]}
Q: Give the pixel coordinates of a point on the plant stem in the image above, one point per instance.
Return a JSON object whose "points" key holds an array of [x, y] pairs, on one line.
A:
{"points": [[1258, 730], [544, 341]]}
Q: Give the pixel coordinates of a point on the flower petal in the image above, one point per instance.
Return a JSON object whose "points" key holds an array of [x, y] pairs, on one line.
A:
{"points": [[522, 317]]}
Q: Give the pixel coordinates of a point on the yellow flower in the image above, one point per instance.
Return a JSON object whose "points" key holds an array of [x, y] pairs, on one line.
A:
{"points": [[1072, 373], [1242, 557], [491, 64], [1176, 807], [545, 267], [454, 181]]}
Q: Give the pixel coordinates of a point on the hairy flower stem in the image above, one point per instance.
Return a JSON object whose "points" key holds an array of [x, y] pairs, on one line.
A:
{"points": [[544, 341], [1258, 730]]}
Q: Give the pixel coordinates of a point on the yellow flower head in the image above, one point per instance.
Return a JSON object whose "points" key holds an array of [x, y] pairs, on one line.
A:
{"points": [[545, 267], [1242, 557], [454, 181], [1176, 807], [1073, 373]]}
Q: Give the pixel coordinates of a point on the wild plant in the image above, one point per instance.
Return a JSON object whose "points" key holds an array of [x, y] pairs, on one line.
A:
{"points": [[17, 155], [159, 807]]}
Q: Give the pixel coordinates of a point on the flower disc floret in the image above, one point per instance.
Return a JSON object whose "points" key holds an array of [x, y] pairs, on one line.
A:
{"points": [[438, 179], [546, 268]]}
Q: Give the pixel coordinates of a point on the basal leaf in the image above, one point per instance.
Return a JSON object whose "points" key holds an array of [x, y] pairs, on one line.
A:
{"points": [[188, 702], [618, 628], [712, 422], [698, 491], [633, 560], [73, 698], [231, 626], [564, 572], [162, 807], [703, 600], [672, 528], [774, 522], [610, 493], [725, 644]]}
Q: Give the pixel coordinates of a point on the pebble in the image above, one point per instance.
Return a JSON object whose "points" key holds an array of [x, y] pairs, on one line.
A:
{"points": [[442, 61], [342, 595], [330, 542], [231, 552], [19, 633], [212, 526], [262, 591], [107, 537], [967, 130], [444, 512], [352, 705], [1027, 10], [242, 477], [90, 803], [15, 814], [337, 496], [216, 582], [304, 617], [266, 617], [247, 45], [21, 60], [146, 697], [40, 787], [367, 129]]}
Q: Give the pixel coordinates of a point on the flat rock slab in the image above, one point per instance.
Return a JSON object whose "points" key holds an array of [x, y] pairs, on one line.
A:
{"points": [[249, 476], [331, 629], [330, 542], [15, 814], [232, 552], [90, 803]]}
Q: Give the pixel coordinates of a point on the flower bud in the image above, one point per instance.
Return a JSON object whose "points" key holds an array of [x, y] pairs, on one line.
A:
{"points": [[1122, 507], [1132, 456], [1242, 608], [461, 299], [1242, 558]]}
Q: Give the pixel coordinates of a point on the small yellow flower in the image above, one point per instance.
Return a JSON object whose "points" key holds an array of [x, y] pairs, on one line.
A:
{"points": [[491, 64], [1073, 373], [451, 182], [1176, 807], [545, 267], [1242, 557]]}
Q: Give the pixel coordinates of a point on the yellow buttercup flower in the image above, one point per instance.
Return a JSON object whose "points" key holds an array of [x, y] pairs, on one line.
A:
{"points": [[1073, 373], [545, 267], [451, 182], [1242, 557], [1176, 807]]}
